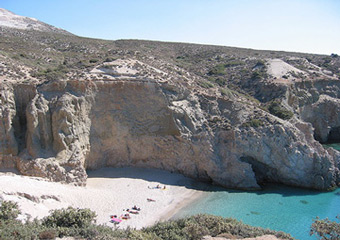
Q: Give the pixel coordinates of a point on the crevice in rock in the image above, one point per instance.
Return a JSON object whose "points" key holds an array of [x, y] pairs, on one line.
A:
{"points": [[23, 95], [263, 172]]}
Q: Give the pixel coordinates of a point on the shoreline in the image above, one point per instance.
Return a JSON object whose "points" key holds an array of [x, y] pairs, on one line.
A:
{"points": [[109, 191], [177, 207]]}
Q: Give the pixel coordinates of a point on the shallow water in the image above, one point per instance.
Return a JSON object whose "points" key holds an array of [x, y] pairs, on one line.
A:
{"points": [[277, 207], [281, 208], [336, 146]]}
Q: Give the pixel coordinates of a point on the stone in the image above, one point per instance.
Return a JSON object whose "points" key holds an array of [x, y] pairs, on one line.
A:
{"points": [[70, 126]]}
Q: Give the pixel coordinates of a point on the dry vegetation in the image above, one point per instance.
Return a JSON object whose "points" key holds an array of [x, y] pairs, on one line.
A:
{"points": [[30, 54]]}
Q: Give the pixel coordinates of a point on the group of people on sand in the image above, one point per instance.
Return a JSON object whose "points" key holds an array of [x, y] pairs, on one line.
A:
{"points": [[158, 187], [134, 210], [126, 216]]}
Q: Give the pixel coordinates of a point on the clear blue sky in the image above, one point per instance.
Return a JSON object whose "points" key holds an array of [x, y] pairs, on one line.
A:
{"points": [[302, 25]]}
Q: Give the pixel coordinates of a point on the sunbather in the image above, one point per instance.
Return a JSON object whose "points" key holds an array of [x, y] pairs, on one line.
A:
{"points": [[136, 208], [133, 212]]}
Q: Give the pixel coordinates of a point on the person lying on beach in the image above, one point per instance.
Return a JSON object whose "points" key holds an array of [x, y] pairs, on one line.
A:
{"points": [[136, 208], [133, 212], [125, 216], [150, 200], [157, 187]]}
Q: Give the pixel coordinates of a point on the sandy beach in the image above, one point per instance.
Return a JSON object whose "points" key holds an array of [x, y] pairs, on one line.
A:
{"points": [[109, 191]]}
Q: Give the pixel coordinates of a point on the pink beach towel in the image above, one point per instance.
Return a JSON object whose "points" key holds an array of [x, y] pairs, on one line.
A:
{"points": [[116, 220]]}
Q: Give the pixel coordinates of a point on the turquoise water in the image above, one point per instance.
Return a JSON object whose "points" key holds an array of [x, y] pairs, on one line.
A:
{"points": [[336, 146], [281, 208]]}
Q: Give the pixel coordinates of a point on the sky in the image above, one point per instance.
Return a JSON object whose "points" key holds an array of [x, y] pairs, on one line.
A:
{"points": [[311, 26]]}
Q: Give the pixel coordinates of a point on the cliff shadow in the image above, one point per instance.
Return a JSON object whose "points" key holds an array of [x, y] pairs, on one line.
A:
{"points": [[287, 191], [154, 176], [163, 177]]}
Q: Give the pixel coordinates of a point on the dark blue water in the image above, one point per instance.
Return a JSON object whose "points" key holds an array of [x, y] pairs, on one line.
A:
{"points": [[281, 208]]}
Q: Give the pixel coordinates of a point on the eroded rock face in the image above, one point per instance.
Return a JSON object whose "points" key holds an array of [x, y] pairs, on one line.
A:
{"points": [[280, 153], [325, 118], [75, 125], [8, 144]]}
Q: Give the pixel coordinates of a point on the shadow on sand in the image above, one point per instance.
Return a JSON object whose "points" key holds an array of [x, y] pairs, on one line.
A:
{"points": [[154, 176], [176, 179]]}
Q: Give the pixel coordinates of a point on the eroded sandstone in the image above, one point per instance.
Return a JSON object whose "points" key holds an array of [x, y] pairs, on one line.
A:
{"points": [[77, 125]]}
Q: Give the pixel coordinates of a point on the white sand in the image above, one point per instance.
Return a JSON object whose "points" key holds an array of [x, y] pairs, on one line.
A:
{"points": [[108, 192]]}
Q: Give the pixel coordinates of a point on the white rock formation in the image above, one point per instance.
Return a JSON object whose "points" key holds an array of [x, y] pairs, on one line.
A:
{"points": [[11, 20]]}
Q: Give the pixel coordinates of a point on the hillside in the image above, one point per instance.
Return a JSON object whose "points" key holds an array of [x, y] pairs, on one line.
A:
{"points": [[235, 117]]}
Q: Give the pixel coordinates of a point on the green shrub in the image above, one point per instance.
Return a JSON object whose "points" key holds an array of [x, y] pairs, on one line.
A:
{"points": [[325, 229], [233, 63], [139, 235], [276, 109], [9, 210], [260, 63], [253, 123], [52, 74], [69, 217], [18, 230], [221, 81], [205, 84], [195, 227], [93, 60], [78, 223], [257, 75], [218, 70]]}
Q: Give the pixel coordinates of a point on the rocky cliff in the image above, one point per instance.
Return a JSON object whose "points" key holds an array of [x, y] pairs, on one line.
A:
{"points": [[235, 117], [59, 129]]}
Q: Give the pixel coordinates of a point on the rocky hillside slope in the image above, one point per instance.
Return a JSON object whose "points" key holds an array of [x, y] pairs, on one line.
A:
{"points": [[11, 20], [235, 117]]}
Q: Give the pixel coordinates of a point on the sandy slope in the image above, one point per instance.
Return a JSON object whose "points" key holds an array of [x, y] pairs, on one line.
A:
{"points": [[278, 68], [108, 192]]}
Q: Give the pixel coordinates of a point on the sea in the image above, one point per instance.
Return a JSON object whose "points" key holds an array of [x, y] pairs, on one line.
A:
{"points": [[276, 207]]}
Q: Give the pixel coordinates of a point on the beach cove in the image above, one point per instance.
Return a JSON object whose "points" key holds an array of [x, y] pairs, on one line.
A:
{"points": [[109, 191]]}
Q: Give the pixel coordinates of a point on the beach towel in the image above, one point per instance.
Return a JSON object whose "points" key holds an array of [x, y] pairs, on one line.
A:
{"points": [[116, 220]]}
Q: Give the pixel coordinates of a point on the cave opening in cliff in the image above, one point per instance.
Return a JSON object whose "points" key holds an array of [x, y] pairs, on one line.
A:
{"points": [[263, 172], [23, 95], [20, 128], [334, 135]]}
